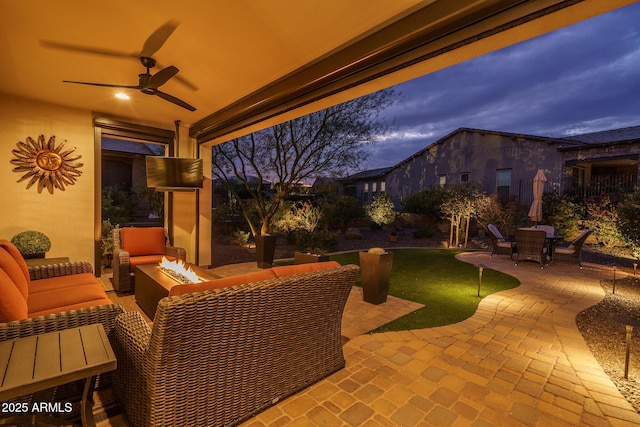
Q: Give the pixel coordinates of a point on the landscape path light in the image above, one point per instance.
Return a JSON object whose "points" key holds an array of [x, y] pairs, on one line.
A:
{"points": [[629, 323], [480, 267]]}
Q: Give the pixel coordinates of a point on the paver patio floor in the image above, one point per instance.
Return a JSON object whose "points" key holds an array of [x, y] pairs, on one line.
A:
{"points": [[519, 360]]}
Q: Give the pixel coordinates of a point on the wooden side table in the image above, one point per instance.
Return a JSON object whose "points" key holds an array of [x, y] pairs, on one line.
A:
{"points": [[39, 362]]}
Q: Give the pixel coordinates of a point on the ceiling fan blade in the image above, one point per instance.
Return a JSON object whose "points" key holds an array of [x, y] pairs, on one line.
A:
{"points": [[87, 49], [157, 38], [162, 76], [186, 82], [102, 84], [180, 78], [175, 100]]}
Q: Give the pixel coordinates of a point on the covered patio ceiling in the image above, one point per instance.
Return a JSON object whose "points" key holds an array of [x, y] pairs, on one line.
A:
{"points": [[248, 64]]}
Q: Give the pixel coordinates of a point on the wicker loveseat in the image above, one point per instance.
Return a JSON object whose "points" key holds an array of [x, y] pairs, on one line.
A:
{"points": [[220, 356], [134, 246]]}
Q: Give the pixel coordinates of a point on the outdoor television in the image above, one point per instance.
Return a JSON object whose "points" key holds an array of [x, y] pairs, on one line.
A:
{"points": [[174, 173]]}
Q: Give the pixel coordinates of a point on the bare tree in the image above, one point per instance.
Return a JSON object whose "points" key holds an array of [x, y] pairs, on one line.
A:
{"points": [[330, 142]]}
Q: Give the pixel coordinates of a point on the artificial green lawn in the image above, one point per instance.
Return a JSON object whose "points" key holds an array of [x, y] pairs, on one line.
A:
{"points": [[448, 288]]}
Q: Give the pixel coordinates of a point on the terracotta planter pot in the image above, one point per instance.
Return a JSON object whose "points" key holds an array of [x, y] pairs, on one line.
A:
{"points": [[375, 270], [307, 258], [265, 250]]}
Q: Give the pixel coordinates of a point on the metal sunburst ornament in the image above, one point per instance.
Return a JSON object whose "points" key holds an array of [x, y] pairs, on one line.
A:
{"points": [[46, 163]]}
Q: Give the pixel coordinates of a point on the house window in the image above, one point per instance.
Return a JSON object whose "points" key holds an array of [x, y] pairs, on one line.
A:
{"points": [[365, 192], [503, 182], [382, 186], [464, 177], [374, 187], [442, 180]]}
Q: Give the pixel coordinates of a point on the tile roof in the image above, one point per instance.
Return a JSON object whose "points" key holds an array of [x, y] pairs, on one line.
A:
{"points": [[611, 135], [371, 173]]}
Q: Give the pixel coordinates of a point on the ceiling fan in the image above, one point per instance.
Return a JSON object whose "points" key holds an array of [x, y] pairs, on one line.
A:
{"points": [[147, 83]]}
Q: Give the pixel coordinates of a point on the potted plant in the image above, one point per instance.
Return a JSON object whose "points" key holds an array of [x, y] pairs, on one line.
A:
{"points": [[375, 270], [32, 244], [106, 241]]}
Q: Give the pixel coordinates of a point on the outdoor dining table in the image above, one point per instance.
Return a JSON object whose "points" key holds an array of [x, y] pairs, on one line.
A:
{"points": [[552, 241]]}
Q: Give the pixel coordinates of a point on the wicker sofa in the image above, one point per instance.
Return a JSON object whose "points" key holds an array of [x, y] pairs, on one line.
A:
{"points": [[219, 356], [35, 300]]}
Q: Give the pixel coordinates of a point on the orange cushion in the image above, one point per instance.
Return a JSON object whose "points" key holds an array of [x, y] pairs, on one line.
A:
{"points": [[85, 304], [13, 264], [52, 283], [13, 306], [289, 270], [147, 259], [54, 299], [221, 283], [143, 241]]}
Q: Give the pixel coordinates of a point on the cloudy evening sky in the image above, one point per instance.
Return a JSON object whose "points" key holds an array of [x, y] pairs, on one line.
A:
{"points": [[579, 79]]}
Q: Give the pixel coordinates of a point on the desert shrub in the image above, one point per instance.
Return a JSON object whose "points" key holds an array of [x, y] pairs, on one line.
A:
{"points": [[504, 214], [426, 231], [298, 216], [602, 218], [426, 202], [381, 210], [564, 212], [318, 242], [116, 205], [629, 221], [340, 211], [237, 237]]}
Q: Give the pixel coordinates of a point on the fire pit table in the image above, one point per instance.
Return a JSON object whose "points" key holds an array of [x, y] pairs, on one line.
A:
{"points": [[152, 284]]}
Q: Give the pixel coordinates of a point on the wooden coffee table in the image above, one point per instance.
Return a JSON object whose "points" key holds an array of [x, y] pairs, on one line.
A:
{"points": [[152, 285], [39, 362]]}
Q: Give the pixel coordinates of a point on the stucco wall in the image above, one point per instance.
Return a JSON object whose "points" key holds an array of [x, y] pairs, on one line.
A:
{"points": [[480, 155], [67, 217]]}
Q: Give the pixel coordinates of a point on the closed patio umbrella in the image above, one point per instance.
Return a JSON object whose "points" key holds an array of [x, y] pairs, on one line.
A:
{"points": [[535, 213]]}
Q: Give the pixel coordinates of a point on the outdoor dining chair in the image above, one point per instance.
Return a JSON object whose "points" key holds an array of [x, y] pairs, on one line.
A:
{"points": [[531, 245], [501, 246], [571, 253]]}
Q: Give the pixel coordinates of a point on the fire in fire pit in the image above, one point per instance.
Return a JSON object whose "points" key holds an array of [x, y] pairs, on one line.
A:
{"points": [[178, 271]]}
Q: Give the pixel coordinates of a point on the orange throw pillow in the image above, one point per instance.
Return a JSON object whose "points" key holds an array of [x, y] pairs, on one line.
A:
{"points": [[143, 241], [13, 306], [14, 266]]}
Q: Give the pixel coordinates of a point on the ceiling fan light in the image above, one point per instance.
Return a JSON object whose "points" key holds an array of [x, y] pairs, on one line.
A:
{"points": [[121, 95]]}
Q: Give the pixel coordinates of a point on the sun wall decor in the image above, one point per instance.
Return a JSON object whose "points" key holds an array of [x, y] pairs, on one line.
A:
{"points": [[46, 163]]}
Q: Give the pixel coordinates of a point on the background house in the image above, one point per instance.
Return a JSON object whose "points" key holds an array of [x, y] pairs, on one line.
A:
{"points": [[603, 162], [505, 163]]}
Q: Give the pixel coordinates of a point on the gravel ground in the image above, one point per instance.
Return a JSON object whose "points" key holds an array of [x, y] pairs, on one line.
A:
{"points": [[604, 336]]}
